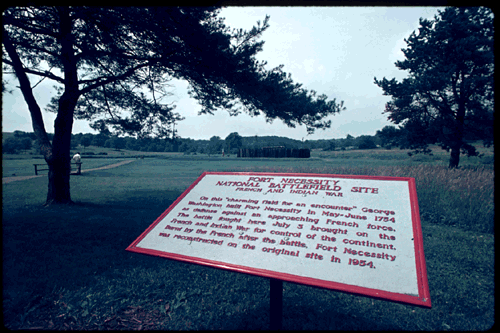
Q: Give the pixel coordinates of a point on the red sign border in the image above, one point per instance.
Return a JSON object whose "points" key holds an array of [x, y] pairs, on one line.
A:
{"points": [[423, 299]]}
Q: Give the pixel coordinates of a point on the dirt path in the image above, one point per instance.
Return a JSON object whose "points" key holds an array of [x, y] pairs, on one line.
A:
{"points": [[6, 180]]}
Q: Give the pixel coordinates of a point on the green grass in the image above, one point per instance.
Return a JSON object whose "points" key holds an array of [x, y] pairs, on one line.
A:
{"points": [[65, 267], [398, 156]]}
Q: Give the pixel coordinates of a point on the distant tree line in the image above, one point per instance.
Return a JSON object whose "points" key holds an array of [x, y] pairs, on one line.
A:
{"points": [[388, 137]]}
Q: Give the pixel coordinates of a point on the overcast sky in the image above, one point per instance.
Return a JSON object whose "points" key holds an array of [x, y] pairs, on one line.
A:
{"points": [[336, 51]]}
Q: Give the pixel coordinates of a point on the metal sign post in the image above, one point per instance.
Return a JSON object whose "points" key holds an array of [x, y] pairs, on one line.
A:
{"points": [[276, 304]]}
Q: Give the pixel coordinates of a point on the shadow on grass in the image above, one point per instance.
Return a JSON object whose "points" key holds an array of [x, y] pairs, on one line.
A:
{"points": [[245, 306], [64, 246], [304, 318], [308, 317], [68, 246]]}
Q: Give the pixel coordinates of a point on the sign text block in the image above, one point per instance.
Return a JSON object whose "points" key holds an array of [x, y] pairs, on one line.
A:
{"points": [[357, 234]]}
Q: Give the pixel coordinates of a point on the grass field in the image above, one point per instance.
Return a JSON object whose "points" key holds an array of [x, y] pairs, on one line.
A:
{"points": [[65, 267], [22, 164]]}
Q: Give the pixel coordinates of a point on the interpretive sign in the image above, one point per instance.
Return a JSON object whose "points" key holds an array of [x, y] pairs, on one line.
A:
{"points": [[356, 234]]}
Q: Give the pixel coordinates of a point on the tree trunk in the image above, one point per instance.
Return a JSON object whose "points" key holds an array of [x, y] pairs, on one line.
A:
{"points": [[59, 189], [60, 165], [33, 107], [454, 156], [458, 136]]}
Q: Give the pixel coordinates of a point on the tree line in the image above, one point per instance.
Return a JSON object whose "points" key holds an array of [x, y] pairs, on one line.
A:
{"points": [[388, 137]]}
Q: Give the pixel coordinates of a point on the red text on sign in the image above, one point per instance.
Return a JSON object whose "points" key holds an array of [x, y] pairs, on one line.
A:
{"points": [[371, 190]]}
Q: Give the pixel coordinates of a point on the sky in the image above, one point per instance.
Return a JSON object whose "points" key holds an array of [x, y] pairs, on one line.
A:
{"points": [[336, 51]]}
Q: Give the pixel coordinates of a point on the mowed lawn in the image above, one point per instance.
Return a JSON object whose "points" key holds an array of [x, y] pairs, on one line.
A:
{"points": [[65, 267]]}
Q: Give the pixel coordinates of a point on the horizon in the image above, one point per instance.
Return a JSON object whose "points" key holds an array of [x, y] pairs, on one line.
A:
{"points": [[222, 138]]}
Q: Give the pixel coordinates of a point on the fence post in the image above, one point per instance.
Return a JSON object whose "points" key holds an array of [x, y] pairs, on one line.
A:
{"points": [[36, 172]]}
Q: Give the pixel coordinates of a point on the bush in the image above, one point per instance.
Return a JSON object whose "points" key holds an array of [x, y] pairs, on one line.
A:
{"points": [[11, 145], [365, 142], [488, 160]]}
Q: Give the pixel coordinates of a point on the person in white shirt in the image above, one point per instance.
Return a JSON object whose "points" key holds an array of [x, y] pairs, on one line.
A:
{"points": [[77, 157]]}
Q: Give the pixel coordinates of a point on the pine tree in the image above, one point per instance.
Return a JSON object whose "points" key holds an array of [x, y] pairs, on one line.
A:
{"points": [[449, 91]]}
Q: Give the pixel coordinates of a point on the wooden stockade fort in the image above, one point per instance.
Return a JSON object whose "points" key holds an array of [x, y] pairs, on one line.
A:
{"points": [[279, 151]]}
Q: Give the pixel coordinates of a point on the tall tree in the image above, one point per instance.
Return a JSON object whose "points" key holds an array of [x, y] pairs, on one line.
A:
{"points": [[349, 141], [233, 142], [389, 136], [449, 91], [113, 66], [215, 145], [365, 142], [86, 141], [11, 145]]}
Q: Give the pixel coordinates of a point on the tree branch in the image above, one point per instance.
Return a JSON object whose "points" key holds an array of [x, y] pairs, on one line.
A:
{"points": [[29, 45], [108, 80], [107, 104], [29, 28], [46, 74]]}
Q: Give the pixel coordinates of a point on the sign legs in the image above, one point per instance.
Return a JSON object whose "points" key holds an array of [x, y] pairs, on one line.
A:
{"points": [[276, 304]]}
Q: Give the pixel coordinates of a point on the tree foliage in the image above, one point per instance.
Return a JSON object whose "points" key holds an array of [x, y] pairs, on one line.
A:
{"points": [[365, 142], [349, 141], [113, 66], [449, 89], [20, 141], [86, 140], [389, 136], [215, 145], [330, 145], [11, 145], [233, 142]]}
